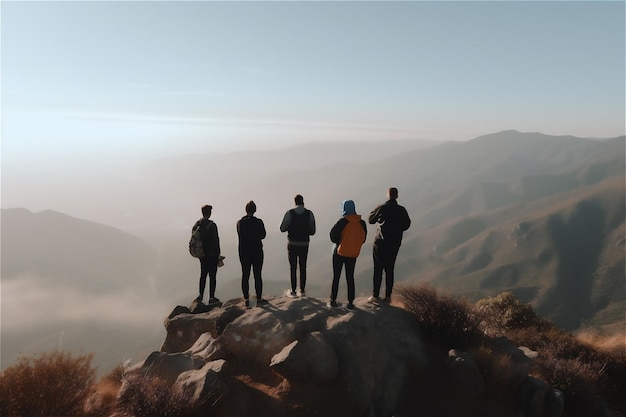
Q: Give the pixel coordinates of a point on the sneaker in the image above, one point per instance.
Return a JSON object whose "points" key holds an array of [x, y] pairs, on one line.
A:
{"points": [[333, 304], [350, 306], [247, 303], [198, 299], [301, 293], [214, 300], [261, 301], [374, 299], [386, 300], [292, 294]]}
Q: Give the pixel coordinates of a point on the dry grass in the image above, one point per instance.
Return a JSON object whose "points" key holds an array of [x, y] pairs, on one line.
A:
{"points": [[592, 379], [590, 371], [51, 384], [614, 345], [103, 400], [153, 397]]}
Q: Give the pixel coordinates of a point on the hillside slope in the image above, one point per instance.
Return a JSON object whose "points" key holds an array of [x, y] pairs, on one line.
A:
{"points": [[84, 254], [465, 199]]}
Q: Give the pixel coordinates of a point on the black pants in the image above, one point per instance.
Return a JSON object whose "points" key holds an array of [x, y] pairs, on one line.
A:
{"points": [[208, 266], [385, 254], [297, 258], [256, 264], [338, 263]]}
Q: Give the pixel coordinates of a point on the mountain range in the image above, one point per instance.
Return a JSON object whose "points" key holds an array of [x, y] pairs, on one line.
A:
{"points": [[541, 216]]}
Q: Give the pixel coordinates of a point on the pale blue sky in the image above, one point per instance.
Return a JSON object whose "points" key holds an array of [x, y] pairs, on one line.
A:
{"points": [[85, 80]]}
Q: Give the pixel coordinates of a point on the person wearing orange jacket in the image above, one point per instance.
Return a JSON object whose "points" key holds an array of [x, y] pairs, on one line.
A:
{"points": [[348, 235]]}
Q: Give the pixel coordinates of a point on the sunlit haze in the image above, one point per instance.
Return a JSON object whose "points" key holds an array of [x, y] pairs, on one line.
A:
{"points": [[140, 79], [120, 119]]}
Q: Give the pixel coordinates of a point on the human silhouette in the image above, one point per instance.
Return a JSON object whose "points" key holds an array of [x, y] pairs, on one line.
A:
{"points": [[348, 235], [211, 246], [391, 221], [299, 223], [251, 232]]}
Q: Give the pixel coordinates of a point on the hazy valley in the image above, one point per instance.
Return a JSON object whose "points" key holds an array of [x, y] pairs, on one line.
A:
{"points": [[538, 215]]}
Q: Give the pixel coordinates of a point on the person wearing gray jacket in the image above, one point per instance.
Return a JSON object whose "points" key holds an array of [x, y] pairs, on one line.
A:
{"points": [[299, 223]]}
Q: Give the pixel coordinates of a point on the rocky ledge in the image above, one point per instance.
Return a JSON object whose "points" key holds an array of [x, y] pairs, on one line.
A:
{"points": [[296, 356]]}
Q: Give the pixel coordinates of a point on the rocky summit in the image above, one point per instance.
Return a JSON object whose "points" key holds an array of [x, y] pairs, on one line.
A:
{"points": [[296, 356]]}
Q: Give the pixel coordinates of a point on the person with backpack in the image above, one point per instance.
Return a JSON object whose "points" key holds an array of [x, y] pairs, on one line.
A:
{"points": [[209, 254], [348, 235], [251, 232], [392, 220], [299, 223]]}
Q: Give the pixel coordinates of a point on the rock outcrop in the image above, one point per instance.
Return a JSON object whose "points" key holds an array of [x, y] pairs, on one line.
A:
{"points": [[369, 353], [295, 356]]}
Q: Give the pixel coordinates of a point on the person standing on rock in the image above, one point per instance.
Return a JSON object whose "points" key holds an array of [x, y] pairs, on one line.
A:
{"points": [[391, 221], [251, 232], [209, 262], [348, 235], [299, 223]]}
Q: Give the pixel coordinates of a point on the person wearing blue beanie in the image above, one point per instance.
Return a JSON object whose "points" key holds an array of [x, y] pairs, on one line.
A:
{"points": [[348, 235]]}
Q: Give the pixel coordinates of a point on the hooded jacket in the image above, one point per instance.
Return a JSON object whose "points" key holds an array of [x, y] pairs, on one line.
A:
{"points": [[349, 233]]}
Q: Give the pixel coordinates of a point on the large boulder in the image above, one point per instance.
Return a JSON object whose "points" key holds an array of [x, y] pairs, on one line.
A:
{"points": [[201, 385], [313, 358], [369, 352], [184, 329]]}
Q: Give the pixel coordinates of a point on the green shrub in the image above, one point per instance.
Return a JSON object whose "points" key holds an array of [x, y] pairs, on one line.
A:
{"points": [[505, 312], [451, 321], [51, 384]]}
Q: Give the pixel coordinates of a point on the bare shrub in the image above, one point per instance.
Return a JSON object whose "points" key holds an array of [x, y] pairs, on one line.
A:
{"points": [[153, 397], [103, 400], [50, 384], [452, 321], [502, 374], [591, 379]]}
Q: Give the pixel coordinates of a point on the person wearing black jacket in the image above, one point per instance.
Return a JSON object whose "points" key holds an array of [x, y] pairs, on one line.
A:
{"points": [[251, 232], [211, 246], [391, 220]]}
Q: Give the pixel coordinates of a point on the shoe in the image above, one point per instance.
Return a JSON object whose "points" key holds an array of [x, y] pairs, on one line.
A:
{"points": [[301, 293], [247, 303], [214, 300], [292, 294], [386, 300], [261, 301], [198, 299], [350, 306], [374, 299], [333, 304]]}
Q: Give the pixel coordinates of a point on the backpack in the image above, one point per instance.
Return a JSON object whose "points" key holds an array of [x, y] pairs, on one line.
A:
{"points": [[195, 243], [352, 238]]}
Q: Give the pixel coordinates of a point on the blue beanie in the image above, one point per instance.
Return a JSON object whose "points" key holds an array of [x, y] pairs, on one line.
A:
{"points": [[347, 207]]}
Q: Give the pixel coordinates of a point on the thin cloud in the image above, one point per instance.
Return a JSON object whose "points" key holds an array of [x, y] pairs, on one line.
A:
{"points": [[195, 94]]}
